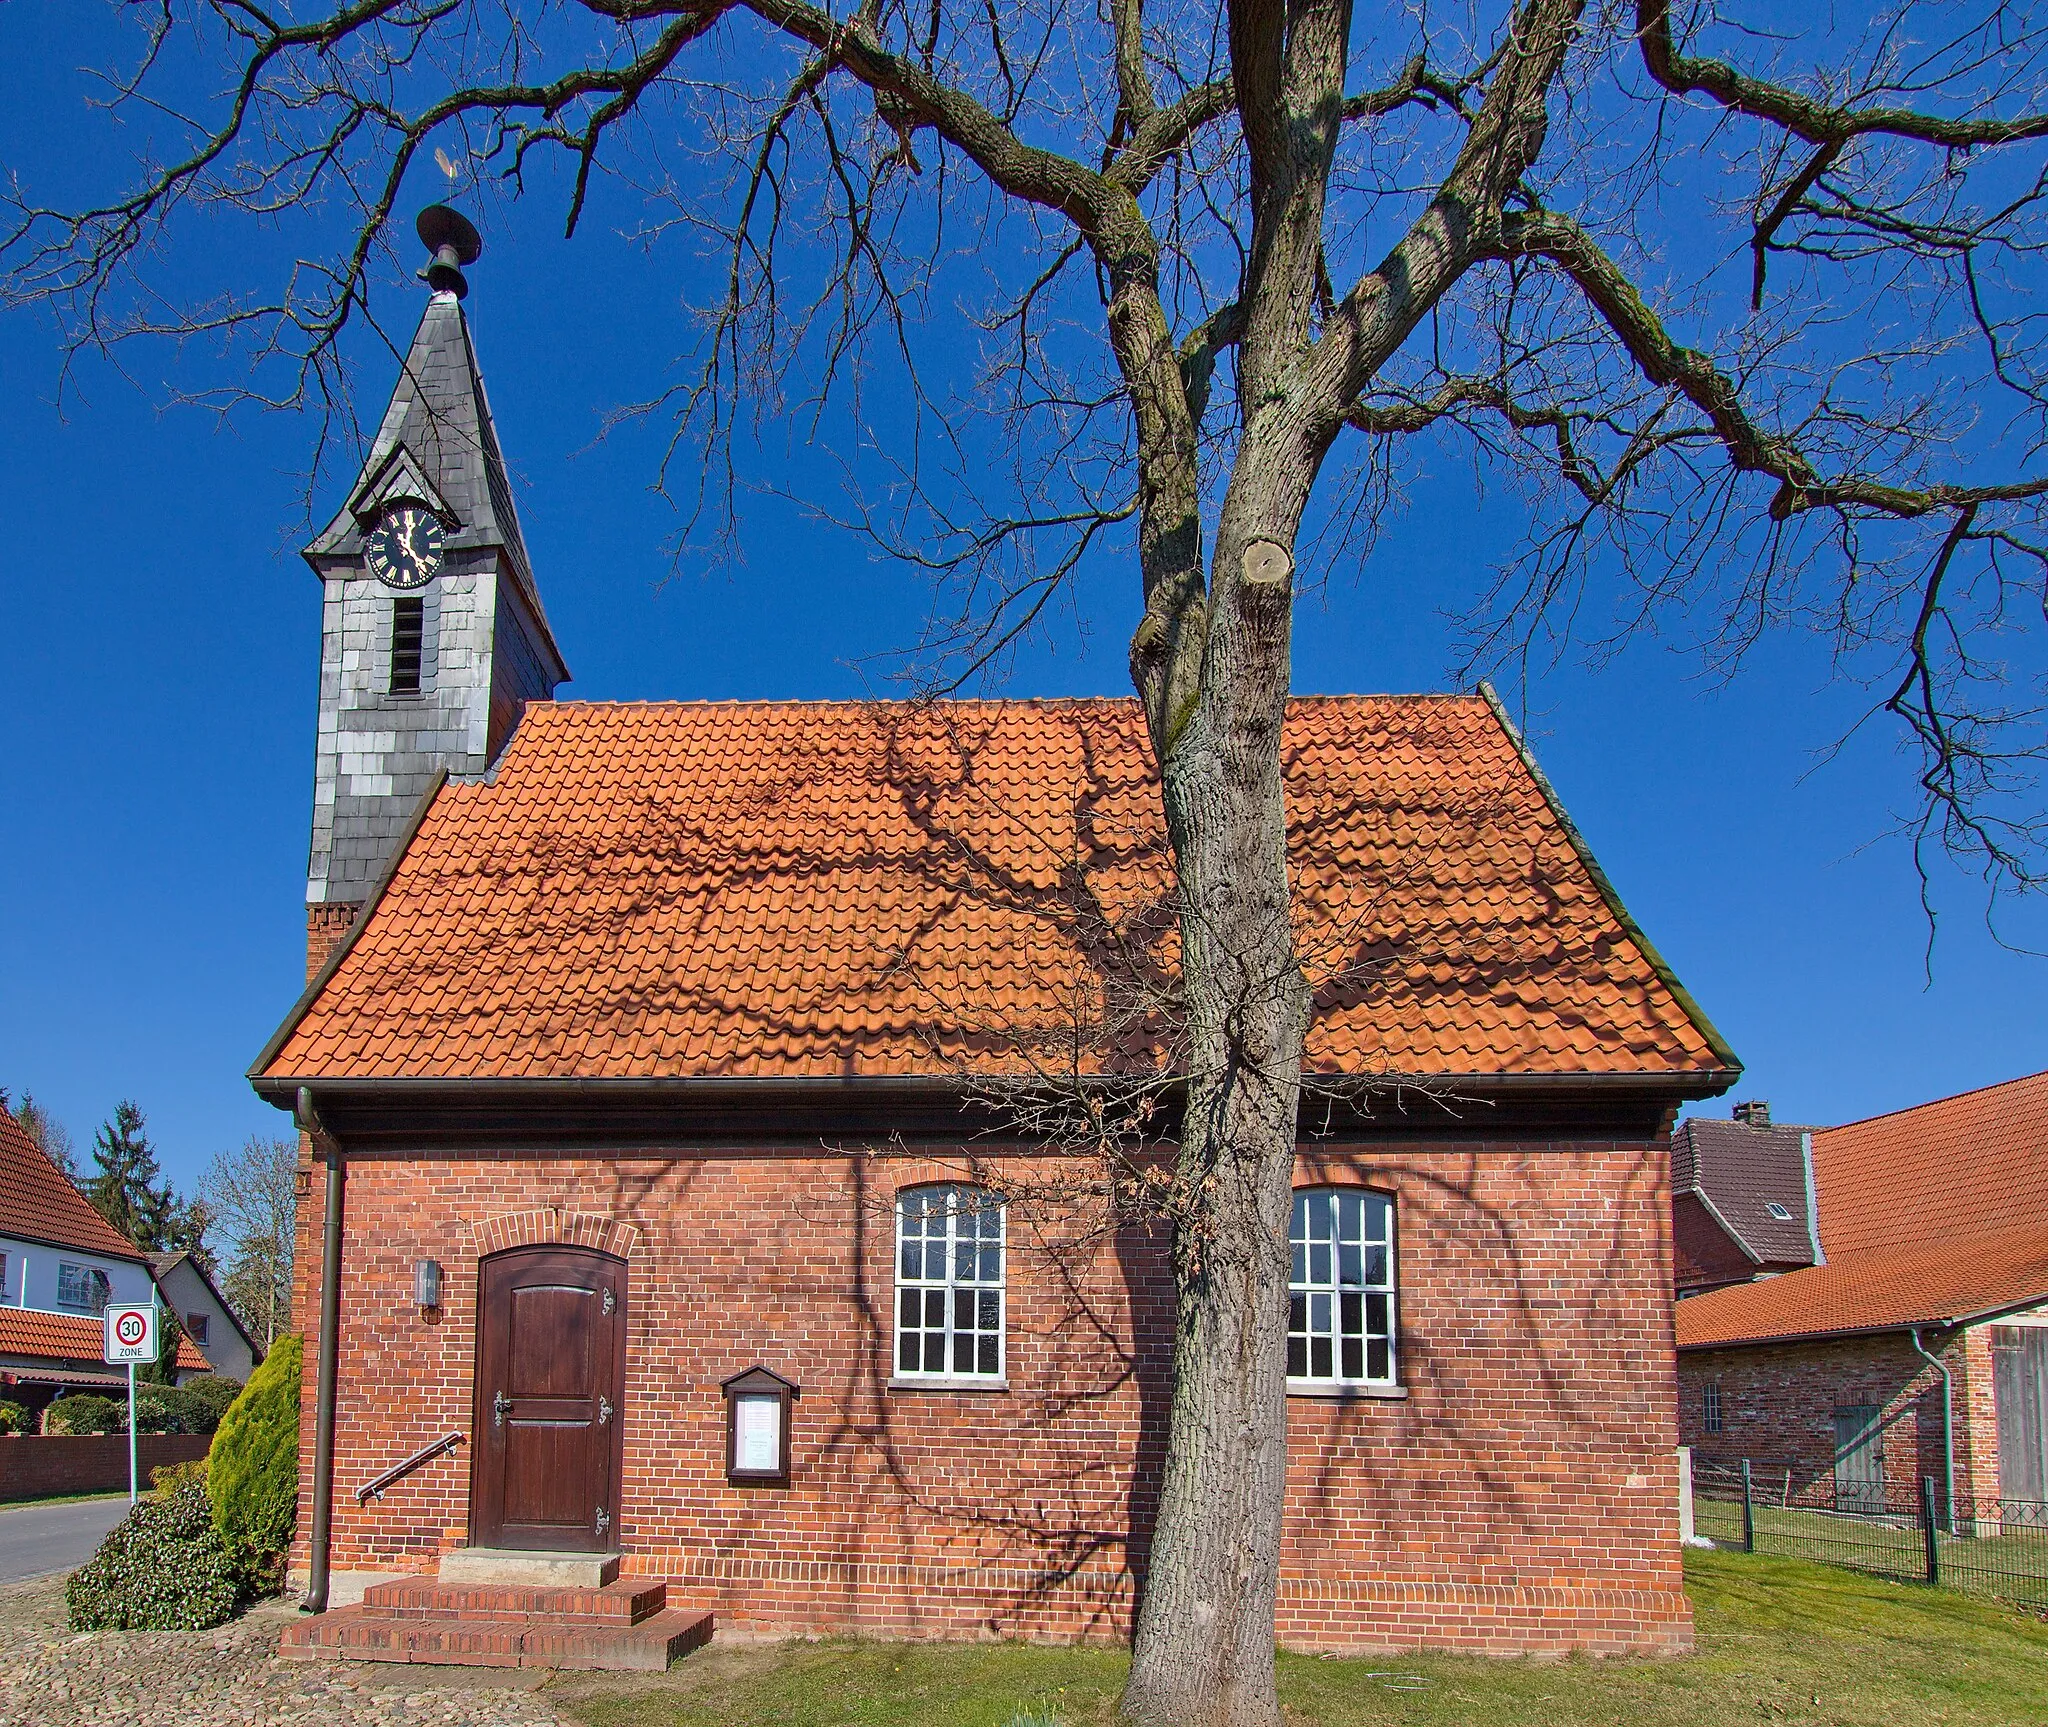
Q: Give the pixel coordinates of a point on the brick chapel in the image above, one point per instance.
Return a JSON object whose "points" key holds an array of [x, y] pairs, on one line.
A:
{"points": [[658, 1215]]}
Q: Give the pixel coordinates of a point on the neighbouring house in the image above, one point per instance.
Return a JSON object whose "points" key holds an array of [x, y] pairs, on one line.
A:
{"points": [[1741, 1200], [61, 1263], [651, 1066], [204, 1314], [1920, 1347]]}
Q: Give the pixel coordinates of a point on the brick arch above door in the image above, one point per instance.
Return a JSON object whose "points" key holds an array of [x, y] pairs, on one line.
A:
{"points": [[549, 1224]]}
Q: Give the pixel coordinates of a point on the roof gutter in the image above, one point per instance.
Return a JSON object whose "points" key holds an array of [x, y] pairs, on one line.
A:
{"points": [[283, 1089], [1937, 1322]]}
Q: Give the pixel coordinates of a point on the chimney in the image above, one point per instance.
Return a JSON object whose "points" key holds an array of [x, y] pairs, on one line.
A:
{"points": [[1755, 1113]]}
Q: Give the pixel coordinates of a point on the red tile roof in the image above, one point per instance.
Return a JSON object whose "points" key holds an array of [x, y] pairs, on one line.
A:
{"points": [[831, 889], [1956, 1166], [1886, 1289], [71, 1337], [1927, 1215], [38, 1202]]}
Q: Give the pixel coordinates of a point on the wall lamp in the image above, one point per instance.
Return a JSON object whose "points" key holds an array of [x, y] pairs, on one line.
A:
{"points": [[426, 1284]]}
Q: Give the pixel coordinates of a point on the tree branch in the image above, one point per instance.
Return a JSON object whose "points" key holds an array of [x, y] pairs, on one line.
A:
{"points": [[1816, 122], [1695, 375]]}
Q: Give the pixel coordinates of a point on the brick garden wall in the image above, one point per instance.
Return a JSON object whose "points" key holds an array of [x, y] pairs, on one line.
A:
{"points": [[1778, 1403], [40, 1465], [1521, 1496]]}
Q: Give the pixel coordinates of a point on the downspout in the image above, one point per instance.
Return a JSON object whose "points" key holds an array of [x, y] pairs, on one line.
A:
{"points": [[330, 1334], [1948, 1430]]}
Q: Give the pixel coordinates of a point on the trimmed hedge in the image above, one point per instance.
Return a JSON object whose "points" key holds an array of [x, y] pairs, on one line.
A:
{"points": [[212, 1395], [252, 1470], [86, 1413], [163, 1567]]}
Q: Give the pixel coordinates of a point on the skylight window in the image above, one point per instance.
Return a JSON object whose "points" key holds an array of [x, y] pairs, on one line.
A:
{"points": [[1777, 1211]]}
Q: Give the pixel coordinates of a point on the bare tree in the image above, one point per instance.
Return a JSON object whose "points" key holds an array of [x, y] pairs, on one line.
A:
{"points": [[51, 1135], [1742, 303], [252, 1194]]}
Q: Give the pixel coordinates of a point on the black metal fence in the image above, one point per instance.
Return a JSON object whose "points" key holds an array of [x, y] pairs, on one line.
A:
{"points": [[1993, 1547]]}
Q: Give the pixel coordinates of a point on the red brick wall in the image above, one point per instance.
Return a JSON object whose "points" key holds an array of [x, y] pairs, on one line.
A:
{"points": [[1778, 1403], [1703, 1255], [1522, 1496], [38, 1465]]}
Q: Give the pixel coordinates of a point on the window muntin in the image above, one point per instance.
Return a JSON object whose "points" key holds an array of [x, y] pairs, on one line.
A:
{"points": [[949, 1284], [1710, 1406], [83, 1288], [1340, 1296]]}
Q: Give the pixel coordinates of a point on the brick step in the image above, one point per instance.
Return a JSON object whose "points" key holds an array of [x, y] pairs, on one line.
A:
{"points": [[585, 1645], [430, 1598]]}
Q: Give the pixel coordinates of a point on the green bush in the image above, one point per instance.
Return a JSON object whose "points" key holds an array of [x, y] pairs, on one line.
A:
{"points": [[163, 1567], [253, 1467], [85, 1413], [211, 1394], [14, 1418], [168, 1478], [166, 1409]]}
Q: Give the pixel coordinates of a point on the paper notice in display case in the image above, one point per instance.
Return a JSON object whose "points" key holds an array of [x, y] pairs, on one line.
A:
{"points": [[759, 1436]]}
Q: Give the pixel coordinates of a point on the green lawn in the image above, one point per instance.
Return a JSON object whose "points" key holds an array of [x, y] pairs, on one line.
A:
{"points": [[2012, 1566], [1780, 1641]]}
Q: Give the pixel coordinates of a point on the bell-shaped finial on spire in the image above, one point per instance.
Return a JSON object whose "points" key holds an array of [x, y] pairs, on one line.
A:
{"points": [[449, 235]]}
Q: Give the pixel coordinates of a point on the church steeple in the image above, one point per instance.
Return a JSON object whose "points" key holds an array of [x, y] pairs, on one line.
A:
{"points": [[433, 639]]}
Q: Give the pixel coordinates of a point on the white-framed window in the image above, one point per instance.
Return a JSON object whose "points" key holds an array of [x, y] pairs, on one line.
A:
{"points": [[82, 1288], [1340, 1296], [1710, 1406], [949, 1284]]}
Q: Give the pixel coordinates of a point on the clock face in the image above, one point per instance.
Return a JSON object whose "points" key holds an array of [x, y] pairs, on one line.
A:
{"points": [[404, 550]]}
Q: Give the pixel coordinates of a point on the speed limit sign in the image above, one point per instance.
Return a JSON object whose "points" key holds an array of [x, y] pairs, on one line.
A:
{"points": [[132, 1334]]}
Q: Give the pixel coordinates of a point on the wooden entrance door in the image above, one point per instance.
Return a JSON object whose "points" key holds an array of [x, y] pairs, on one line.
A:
{"points": [[551, 1364], [2019, 1376], [1859, 1459]]}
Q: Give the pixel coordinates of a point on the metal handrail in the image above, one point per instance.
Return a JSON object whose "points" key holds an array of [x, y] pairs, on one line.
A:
{"points": [[398, 1471]]}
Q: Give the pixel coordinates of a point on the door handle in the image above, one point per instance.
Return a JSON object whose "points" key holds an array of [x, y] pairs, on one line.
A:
{"points": [[604, 1409], [604, 1520], [499, 1405]]}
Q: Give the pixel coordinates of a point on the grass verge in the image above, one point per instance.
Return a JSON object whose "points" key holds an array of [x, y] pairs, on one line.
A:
{"points": [[59, 1499], [1780, 1640]]}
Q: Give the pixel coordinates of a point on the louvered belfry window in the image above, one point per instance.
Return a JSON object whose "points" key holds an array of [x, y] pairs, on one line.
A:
{"points": [[408, 632]]}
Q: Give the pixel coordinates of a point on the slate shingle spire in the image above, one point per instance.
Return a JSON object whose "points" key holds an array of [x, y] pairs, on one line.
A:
{"points": [[433, 637]]}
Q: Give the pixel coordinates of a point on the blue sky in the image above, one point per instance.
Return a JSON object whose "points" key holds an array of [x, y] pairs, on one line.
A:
{"points": [[156, 720]]}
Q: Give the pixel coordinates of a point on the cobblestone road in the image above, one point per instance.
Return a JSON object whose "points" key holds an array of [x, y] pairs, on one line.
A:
{"points": [[230, 1677]]}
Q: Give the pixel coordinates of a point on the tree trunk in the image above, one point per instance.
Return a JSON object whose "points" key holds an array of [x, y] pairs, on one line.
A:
{"points": [[1203, 1655]]}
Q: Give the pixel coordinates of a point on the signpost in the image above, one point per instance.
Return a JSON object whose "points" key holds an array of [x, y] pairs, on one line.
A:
{"points": [[133, 1335]]}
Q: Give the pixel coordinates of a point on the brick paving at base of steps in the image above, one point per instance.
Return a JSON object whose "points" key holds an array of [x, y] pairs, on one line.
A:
{"points": [[51, 1676]]}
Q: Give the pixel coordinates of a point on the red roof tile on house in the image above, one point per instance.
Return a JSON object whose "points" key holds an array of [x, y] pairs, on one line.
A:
{"points": [[69, 1337], [793, 889], [1957, 1166], [1886, 1289], [39, 1203]]}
